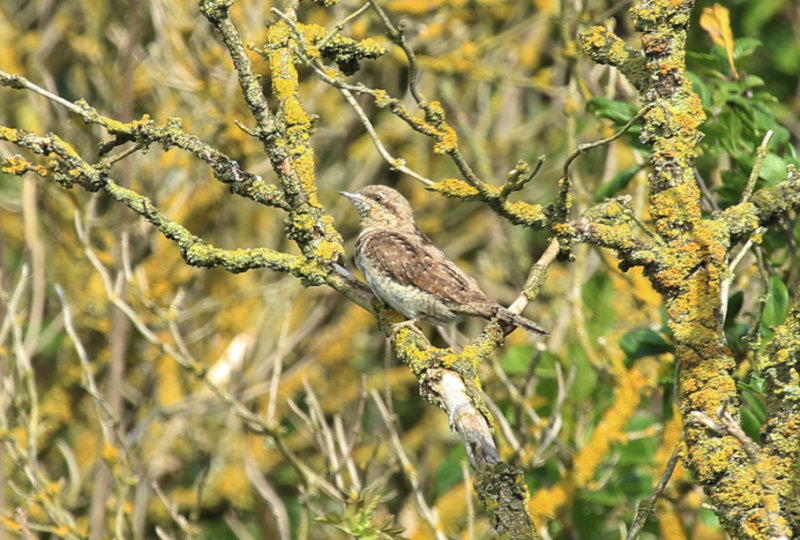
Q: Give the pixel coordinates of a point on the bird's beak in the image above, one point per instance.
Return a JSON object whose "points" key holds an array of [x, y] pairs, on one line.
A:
{"points": [[361, 203], [355, 197]]}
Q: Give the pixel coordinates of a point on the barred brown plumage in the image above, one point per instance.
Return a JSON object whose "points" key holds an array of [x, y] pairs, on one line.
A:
{"points": [[409, 273]]}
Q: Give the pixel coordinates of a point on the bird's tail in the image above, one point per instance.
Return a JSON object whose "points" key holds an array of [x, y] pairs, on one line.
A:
{"points": [[509, 317]]}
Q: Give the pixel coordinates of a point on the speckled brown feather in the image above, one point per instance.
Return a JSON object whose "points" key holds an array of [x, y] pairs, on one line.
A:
{"points": [[408, 272], [413, 260]]}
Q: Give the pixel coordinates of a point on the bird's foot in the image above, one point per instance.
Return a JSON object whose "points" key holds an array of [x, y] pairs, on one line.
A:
{"points": [[450, 336], [410, 324]]}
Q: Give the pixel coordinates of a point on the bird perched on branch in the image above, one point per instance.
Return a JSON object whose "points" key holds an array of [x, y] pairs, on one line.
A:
{"points": [[408, 272]]}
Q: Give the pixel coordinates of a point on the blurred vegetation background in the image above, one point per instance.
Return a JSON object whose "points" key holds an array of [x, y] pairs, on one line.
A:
{"points": [[587, 413]]}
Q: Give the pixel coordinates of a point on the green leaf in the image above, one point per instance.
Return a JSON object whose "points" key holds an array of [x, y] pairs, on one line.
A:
{"points": [[755, 405], [701, 88], [796, 231], [777, 306], [775, 246], [745, 46], [773, 170], [515, 360], [734, 306], [617, 111], [331, 518], [449, 472], [598, 294], [750, 424], [754, 81], [617, 183], [704, 60], [754, 385], [709, 518], [641, 342], [757, 14], [585, 375]]}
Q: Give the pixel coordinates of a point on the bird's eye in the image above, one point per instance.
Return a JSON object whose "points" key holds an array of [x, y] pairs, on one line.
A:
{"points": [[378, 197]]}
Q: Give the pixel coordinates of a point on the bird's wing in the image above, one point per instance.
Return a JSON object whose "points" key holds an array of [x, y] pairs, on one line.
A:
{"points": [[414, 260]]}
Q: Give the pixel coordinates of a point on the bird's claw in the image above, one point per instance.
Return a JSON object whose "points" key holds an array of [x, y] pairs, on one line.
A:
{"points": [[410, 324]]}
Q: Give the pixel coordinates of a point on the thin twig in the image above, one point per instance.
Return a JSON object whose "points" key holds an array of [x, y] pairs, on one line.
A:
{"points": [[323, 430], [339, 26], [707, 195], [430, 515], [501, 421], [22, 523], [269, 494], [347, 91], [625, 200], [646, 507], [172, 508], [395, 163], [761, 153], [565, 188], [468, 495], [725, 286], [398, 37], [536, 277], [555, 420], [277, 367], [17, 81], [346, 451], [109, 422], [251, 419], [516, 399], [583, 148]]}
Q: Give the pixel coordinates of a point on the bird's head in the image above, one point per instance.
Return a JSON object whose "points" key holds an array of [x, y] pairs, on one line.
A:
{"points": [[381, 206]]}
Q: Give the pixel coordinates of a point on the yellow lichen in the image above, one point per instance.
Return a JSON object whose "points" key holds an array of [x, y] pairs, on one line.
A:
{"points": [[545, 503], [328, 251], [312, 33], [293, 112], [446, 140], [16, 165], [526, 212], [413, 7], [454, 187], [110, 454], [626, 399], [283, 87], [278, 33], [304, 166]]}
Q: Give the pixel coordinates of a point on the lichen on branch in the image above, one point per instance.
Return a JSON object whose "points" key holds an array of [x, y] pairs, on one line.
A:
{"points": [[687, 263], [67, 168]]}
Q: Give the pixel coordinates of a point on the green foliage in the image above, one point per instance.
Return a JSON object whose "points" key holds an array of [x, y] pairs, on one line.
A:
{"points": [[585, 386], [619, 112], [598, 293], [641, 342], [754, 413], [617, 183], [739, 113], [776, 307], [516, 360], [359, 521]]}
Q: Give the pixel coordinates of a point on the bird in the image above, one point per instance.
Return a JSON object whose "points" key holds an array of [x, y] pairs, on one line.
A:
{"points": [[406, 271]]}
